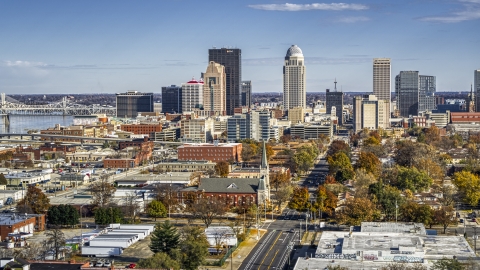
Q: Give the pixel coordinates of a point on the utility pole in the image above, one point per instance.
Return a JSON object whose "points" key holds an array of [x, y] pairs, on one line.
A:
{"points": [[396, 211], [475, 239], [300, 233]]}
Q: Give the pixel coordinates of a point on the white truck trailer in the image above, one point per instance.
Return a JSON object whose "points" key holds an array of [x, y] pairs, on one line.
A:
{"points": [[101, 251]]}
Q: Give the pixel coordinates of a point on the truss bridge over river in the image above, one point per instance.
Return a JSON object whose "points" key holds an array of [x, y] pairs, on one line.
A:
{"points": [[64, 107]]}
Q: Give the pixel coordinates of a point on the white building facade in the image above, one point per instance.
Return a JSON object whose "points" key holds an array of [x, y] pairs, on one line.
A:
{"points": [[294, 79]]}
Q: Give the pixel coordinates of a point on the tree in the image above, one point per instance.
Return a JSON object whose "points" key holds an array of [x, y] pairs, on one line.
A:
{"points": [[207, 209], [63, 214], [357, 210], [404, 266], [412, 179], [468, 185], [168, 195], [3, 180], [107, 215], [159, 260], [431, 168], [432, 135], [408, 153], [340, 166], [165, 238], [369, 162], [372, 140], [299, 199], [445, 216], [56, 239], [387, 198], [362, 181], [156, 209], [247, 152], [447, 264], [413, 212], [326, 200], [102, 192], [278, 179], [131, 207], [302, 161], [283, 194], [286, 138], [338, 146], [35, 201], [193, 248], [222, 168]]}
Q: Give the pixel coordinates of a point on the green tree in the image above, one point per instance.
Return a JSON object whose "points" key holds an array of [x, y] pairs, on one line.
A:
{"points": [[340, 166], [302, 161], [35, 201], [3, 180], [222, 168], [156, 209], [387, 197], [338, 146], [447, 264], [107, 215], [362, 181], [165, 238], [159, 260], [468, 185], [193, 248], [412, 179], [414, 212], [63, 214]]}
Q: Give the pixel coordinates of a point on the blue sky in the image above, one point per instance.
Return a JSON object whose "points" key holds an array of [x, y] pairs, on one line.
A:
{"points": [[113, 46]]}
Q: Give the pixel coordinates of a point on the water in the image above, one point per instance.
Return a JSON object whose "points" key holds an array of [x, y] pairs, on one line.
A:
{"points": [[23, 123]]}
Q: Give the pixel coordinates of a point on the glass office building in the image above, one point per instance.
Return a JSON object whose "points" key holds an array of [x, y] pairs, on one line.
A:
{"points": [[129, 104]]}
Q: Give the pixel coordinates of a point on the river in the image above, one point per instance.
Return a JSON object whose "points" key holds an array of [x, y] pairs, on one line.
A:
{"points": [[23, 123]]}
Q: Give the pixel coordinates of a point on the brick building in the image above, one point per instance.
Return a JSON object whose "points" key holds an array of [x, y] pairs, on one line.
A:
{"points": [[465, 117], [138, 152], [140, 143], [212, 152], [148, 129], [20, 223]]}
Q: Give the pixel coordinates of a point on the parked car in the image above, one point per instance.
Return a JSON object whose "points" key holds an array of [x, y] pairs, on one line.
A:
{"points": [[132, 265], [474, 220], [461, 220], [107, 264], [292, 230], [99, 264]]}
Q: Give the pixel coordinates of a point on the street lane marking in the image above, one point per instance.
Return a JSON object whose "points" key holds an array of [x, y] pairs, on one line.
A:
{"points": [[273, 259], [264, 257], [260, 248]]}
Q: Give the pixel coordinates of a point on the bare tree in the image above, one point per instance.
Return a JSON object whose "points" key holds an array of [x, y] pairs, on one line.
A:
{"points": [[220, 237], [131, 206], [102, 192], [168, 195], [56, 240], [207, 209]]}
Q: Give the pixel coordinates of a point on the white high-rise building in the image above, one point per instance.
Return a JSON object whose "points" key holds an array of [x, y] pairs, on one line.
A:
{"points": [[214, 93], [192, 95], [294, 79]]}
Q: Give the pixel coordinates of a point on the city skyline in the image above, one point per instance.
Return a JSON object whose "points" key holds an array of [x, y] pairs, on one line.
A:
{"points": [[115, 46]]}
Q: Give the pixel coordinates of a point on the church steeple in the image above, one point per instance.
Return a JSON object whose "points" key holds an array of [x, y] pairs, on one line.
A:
{"points": [[264, 164]]}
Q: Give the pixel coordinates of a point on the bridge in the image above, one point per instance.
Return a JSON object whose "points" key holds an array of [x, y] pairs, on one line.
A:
{"points": [[36, 136], [64, 107]]}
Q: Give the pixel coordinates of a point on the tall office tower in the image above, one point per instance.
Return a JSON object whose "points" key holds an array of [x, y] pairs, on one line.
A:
{"points": [[232, 60], [335, 99], [476, 89], [381, 78], [247, 93], [415, 93], [294, 79], [171, 99], [369, 112], [426, 93], [214, 95], [129, 104], [192, 95]]}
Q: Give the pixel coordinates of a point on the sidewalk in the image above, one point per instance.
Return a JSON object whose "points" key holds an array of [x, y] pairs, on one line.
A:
{"points": [[242, 251]]}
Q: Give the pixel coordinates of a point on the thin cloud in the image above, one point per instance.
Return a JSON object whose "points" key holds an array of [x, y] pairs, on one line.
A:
{"points": [[9, 63], [352, 19], [471, 11], [304, 7], [278, 61]]}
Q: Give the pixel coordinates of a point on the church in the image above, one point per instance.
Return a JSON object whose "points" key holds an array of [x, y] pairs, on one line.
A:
{"points": [[236, 192]]}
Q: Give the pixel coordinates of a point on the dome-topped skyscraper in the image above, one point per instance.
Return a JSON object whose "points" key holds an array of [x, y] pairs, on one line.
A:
{"points": [[294, 79]]}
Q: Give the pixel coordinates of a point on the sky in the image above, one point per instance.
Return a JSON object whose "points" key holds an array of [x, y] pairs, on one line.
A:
{"points": [[73, 47]]}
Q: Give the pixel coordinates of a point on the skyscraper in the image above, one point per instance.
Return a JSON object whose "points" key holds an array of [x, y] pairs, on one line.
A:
{"points": [[335, 99], [172, 99], [129, 104], [214, 95], [192, 95], [247, 93], [476, 89], [232, 60], [381, 78], [415, 93], [294, 79]]}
